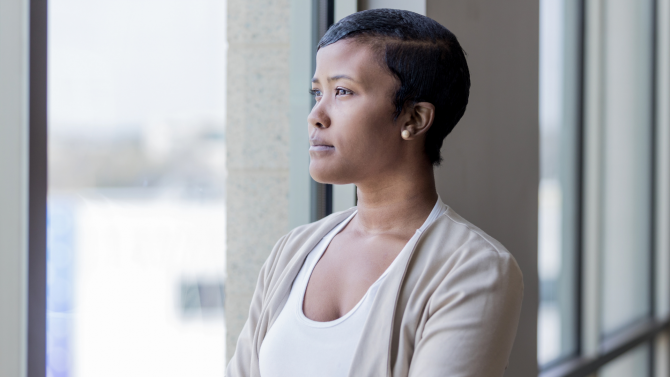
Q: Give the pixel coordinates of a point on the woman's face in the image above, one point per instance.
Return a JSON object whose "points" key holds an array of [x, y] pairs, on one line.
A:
{"points": [[352, 134]]}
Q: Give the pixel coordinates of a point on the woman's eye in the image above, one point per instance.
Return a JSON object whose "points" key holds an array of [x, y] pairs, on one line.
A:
{"points": [[342, 92], [315, 92]]}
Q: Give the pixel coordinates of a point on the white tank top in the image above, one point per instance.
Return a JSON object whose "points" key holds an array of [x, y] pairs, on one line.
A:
{"points": [[296, 346]]}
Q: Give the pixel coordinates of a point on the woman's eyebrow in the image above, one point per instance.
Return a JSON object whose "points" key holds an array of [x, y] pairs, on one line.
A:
{"points": [[334, 78]]}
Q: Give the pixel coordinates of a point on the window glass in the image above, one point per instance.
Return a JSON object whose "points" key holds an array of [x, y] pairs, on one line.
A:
{"points": [[633, 363], [626, 174], [136, 211], [559, 179]]}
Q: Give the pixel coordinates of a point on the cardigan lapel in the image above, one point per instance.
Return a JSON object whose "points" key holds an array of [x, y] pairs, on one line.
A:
{"points": [[372, 356]]}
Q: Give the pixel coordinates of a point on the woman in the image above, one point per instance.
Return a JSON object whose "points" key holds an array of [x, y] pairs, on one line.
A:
{"points": [[399, 285]]}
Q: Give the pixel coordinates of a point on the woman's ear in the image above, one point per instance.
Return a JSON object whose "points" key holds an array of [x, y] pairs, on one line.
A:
{"points": [[421, 118]]}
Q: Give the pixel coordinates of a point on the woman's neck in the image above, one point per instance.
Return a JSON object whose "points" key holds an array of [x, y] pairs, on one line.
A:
{"points": [[396, 205]]}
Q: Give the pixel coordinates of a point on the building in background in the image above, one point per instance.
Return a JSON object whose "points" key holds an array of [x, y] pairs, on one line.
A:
{"points": [[136, 205]]}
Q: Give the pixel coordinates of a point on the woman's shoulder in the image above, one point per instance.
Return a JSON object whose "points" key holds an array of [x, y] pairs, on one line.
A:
{"points": [[464, 231], [453, 240]]}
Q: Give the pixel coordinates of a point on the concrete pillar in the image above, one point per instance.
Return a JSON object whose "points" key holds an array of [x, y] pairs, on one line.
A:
{"points": [[490, 172], [14, 188], [257, 142]]}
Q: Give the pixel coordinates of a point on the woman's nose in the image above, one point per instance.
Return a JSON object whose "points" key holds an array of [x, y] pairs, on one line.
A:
{"points": [[318, 117]]}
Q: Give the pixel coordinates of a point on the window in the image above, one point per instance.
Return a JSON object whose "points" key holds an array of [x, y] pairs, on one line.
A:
{"points": [[626, 163], [558, 220], [603, 304], [136, 210]]}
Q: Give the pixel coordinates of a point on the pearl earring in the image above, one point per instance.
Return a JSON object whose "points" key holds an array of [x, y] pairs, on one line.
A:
{"points": [[405, 134]]}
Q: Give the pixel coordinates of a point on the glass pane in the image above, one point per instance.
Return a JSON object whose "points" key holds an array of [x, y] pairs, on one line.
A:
{"points": [[136, 212], [633, 363], [627, 162], [558, 192]]}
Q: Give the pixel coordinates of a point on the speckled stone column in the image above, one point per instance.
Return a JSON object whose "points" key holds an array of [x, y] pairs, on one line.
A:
{"points": [[257, 129]]}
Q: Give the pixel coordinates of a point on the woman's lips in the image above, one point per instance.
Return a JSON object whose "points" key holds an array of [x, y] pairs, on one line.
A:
{"points": [[318, 145], [321, 148]]}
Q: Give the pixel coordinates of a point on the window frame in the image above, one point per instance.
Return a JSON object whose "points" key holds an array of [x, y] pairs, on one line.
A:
{"points": [[38, 185], [595, 351]]}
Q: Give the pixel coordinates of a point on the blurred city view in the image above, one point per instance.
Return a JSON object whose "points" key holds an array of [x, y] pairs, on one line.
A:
{"points": [[136, 210], [557, 215]]}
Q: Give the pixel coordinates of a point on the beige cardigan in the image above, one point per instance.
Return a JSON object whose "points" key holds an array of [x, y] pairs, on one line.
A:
{"points": [[450, 308]]}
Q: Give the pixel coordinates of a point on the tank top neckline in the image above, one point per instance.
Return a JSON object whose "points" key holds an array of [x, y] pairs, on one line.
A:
{"points": [[436, 211]]}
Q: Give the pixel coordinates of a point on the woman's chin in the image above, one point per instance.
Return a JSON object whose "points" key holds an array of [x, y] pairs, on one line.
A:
{"points": [[326, 174], [320, 177]]}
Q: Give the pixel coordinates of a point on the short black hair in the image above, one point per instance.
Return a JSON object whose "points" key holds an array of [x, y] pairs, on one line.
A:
{"points": [[425, 57]]}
